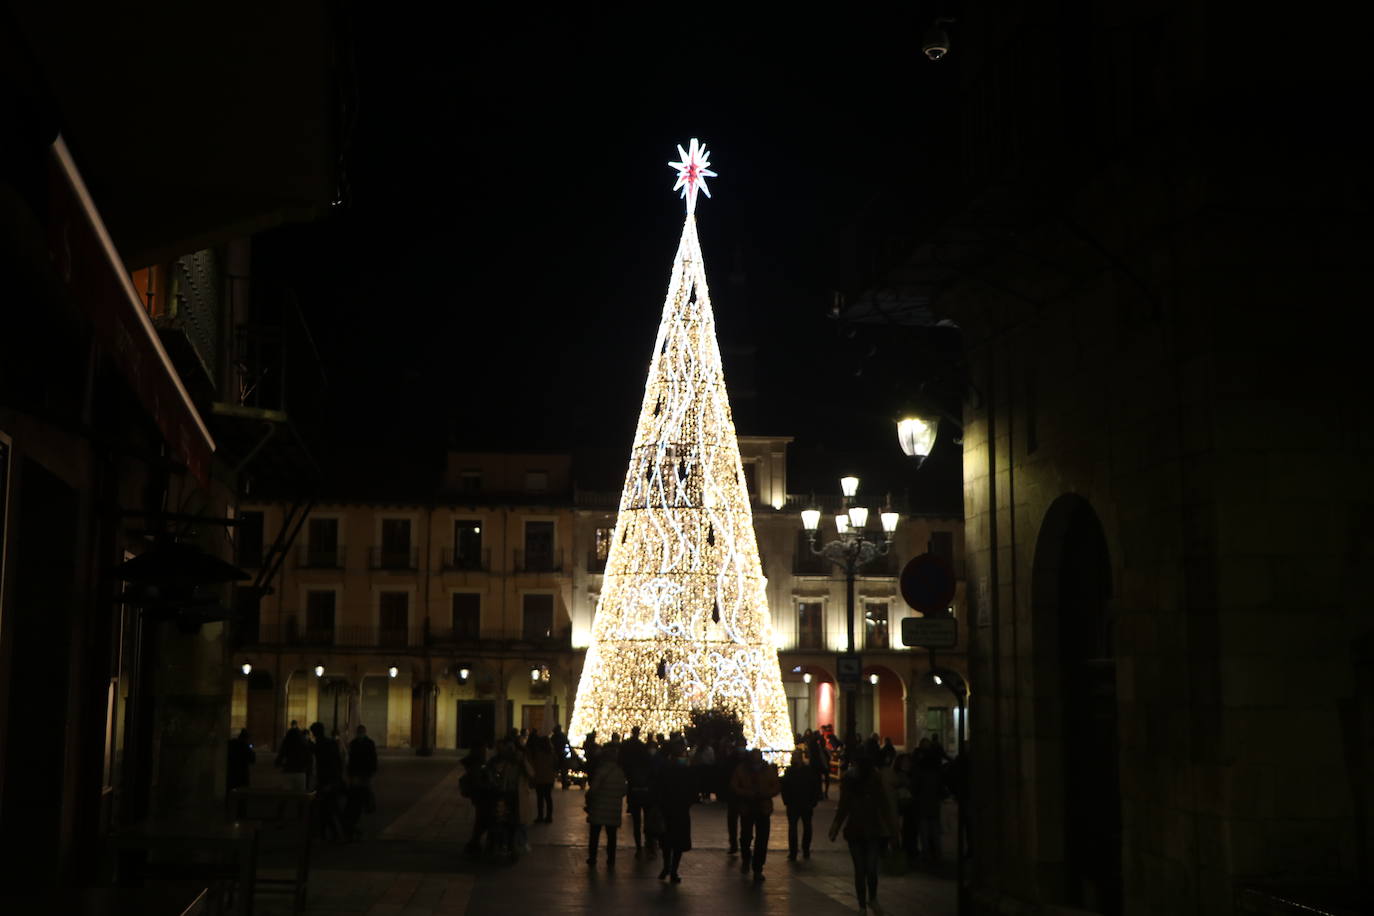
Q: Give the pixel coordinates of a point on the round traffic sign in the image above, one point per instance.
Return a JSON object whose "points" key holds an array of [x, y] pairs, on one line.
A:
{"points": [[927, 584]]}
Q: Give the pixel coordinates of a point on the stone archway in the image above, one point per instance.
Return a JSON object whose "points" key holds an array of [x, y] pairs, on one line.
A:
{"points": [[886, 704], [1079, 789]]}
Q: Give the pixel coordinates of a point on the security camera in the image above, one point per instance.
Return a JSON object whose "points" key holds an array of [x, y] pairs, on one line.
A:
{"points": [[935, 44]]}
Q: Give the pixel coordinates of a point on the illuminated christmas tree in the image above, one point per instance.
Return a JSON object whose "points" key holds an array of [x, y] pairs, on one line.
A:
{"points": [[682, 622]]}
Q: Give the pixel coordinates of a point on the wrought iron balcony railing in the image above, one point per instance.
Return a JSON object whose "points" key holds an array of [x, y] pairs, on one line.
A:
{"points": [[540, 561], [455, 558], [394, 558], [309, 556]]}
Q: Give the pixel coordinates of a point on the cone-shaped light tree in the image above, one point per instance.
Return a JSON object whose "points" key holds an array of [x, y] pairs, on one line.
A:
{"points": [[682, 622]]}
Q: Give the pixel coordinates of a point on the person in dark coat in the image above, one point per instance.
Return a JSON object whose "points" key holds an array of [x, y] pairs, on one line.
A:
{"points": [[801, 790], [635, 760], [819, 759], [867, 815], [605, 801], [544, 768], [559, 740], [754, 785], [328, 781], [294, 757], [676, 788], [241, 760], [728, 762], [362, 767]]}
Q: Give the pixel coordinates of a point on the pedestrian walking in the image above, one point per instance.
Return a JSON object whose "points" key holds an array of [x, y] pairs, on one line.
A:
{"points": [[543, 771], [728, 762], [361, 770], [676, 789], [635, 762], [754, 784], [476, 785], [294, 758], [511, 774], [328, 782], [241, 760], [928, 787], [559, 740], [819, 759], [904, 790], [865, 813], [605, 800], [801, 790]]}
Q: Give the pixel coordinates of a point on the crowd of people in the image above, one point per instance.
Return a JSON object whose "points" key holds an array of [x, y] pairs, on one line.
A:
{"points": [[340, 775], [889, 801]]}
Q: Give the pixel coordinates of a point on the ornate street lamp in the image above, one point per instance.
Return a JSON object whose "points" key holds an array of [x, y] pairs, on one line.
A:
{"points": [[916, 434], [850, 551]]}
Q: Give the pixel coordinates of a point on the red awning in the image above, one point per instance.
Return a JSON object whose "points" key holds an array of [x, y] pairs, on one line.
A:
{"points": [[93, 274]]}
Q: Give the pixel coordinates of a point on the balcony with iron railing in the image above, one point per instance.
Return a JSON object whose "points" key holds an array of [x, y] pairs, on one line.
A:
{"points": [[465, 639], [538, 561], [396, 559], [805, 563], [311, 556], [291, 632], [457, 559]]}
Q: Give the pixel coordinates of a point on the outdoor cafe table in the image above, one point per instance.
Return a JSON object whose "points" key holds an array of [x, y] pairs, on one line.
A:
{"points": [[231, 849]]}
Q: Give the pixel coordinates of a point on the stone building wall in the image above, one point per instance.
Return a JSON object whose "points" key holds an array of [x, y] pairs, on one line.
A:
{"points": [[1204, 398]]}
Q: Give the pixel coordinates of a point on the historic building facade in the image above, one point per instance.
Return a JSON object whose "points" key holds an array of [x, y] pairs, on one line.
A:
{"points": [[438, 623]]}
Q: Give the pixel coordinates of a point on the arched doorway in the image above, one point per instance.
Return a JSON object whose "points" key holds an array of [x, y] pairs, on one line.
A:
{"points": [[1076, 659], [260, 707], [374, 708], [882, 704], [811, 693], [535, 696]]}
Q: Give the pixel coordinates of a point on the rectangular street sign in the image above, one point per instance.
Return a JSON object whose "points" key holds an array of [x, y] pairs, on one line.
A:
{"points": [[930, 632], [848, 668]]}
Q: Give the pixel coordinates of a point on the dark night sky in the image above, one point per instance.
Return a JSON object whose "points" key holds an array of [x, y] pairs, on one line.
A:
{"points": [[500, 267]]}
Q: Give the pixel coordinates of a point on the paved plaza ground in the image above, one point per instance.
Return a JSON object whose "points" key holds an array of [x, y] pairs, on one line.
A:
{"points": [[410, 863]]}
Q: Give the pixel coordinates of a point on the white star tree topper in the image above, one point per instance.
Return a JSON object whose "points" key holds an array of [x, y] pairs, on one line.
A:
{"points": [[692, 172]]}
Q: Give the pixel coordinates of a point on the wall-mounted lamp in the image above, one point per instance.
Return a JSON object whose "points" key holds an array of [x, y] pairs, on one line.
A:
{"points": [[873, 679], [246, 668], [464, 672], [392, 671], [806, 677], [319, 671]]}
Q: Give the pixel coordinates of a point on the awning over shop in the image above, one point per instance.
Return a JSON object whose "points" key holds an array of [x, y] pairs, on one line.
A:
{"points": [[92, 274]]}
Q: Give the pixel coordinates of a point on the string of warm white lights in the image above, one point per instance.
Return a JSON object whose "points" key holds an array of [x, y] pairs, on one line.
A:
{"points": [[682, 622]]}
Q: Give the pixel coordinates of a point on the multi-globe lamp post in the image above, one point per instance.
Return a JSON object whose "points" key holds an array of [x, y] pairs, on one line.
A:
{"points": [[852, 550]]}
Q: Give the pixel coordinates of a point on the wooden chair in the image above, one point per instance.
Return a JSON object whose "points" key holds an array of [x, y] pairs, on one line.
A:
{"points": [[285, 820]]}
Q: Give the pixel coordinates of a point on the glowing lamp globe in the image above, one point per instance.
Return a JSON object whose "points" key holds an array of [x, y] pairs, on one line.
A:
{"points": [[392, 671], [319, 671], [858, 518], [806, 678], [889, 522], [849, 486], [811, 519], [842, 524], [246, 668], [916, 435]]}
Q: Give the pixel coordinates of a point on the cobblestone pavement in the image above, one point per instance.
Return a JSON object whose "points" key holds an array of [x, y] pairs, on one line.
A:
{"points": [[413, 866]]}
